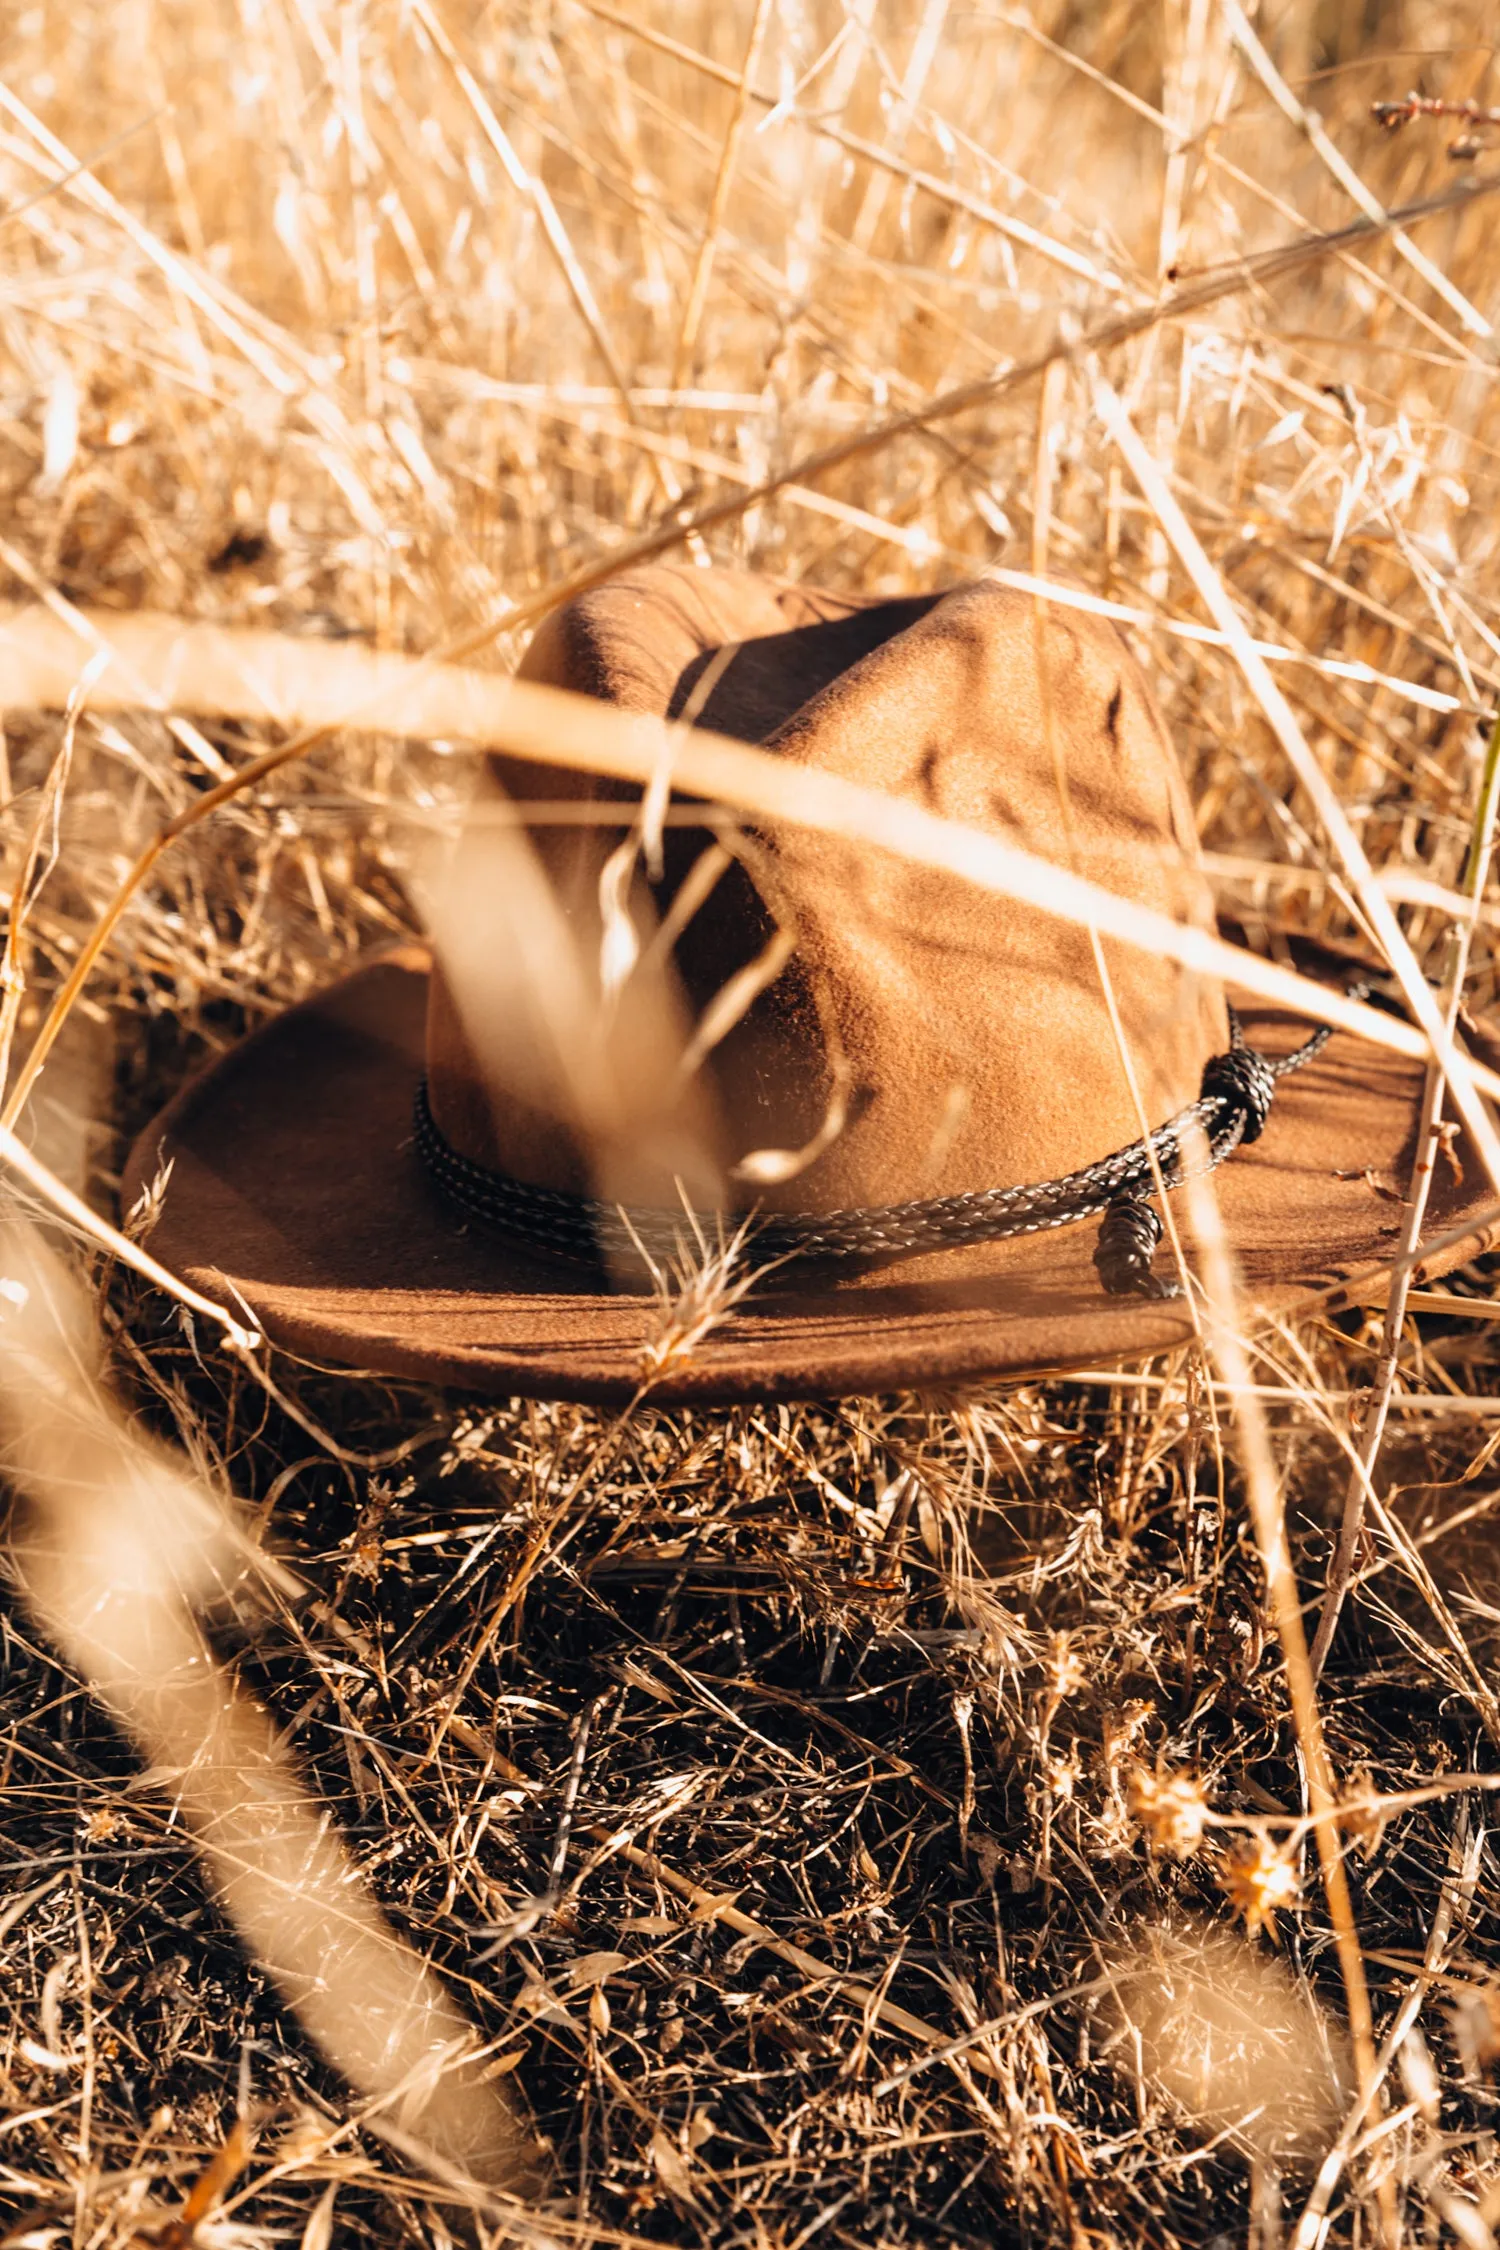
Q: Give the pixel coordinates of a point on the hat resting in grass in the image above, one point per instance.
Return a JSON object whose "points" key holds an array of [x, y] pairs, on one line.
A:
{"points": [[912, 1111]]}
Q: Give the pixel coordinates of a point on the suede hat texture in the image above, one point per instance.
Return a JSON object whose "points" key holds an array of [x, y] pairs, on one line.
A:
{"points": [[785, 1024]]}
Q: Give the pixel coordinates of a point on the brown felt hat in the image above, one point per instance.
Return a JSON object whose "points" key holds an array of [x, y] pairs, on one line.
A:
{"points": [[496, 1173]]}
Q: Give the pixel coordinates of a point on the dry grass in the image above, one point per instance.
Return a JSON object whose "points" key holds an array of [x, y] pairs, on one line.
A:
{"points": [[836, 1816]]}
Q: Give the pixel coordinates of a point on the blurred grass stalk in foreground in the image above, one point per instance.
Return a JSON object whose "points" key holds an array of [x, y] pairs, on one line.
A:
{"points": [[119, 1552]]}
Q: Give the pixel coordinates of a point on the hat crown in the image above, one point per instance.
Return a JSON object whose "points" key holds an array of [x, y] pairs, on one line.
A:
{"points": [[892, 1032]]}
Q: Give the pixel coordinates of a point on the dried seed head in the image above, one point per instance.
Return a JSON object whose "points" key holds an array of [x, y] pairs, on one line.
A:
{"points": [[1260, 1882], [1170, 1808], [1062, 1776], [105, 1824], [702, 1287], [140, 1220], [1065, 1673]]}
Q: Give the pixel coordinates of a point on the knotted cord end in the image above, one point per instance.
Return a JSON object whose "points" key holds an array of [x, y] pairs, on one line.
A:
{"points": [[1128, 1235], [1245, 1083]]}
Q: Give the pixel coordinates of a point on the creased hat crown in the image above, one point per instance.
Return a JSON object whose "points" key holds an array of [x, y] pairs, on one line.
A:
{"points": [[918, 1037]]}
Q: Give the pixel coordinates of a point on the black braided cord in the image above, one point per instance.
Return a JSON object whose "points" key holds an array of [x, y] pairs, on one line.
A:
{"points": [[1232, 1107]]}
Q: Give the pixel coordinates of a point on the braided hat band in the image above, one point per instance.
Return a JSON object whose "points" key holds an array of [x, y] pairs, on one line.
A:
{"points": [[1232, 1107]]}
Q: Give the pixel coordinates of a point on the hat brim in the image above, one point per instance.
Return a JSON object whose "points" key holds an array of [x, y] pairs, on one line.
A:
{"points": [[295, 1190]]}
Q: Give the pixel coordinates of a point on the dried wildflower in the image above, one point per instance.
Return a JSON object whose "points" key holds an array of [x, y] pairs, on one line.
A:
{"points": [[1260, 1881], [1065, 1673], [1062, 1777], [1170, 1808], [106, 1825]]}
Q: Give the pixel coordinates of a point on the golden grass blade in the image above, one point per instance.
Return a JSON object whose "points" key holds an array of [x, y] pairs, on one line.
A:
{"points": [[703, 265], [43, 848], [1308, 122], [185, 732], [871, 152], [1208, 636], [1223, 1325], [608, 1067], [79, 180], [931, 25], [1429, 1134], [121, 1552], [527, 184], [1457, 1071], [1401, 888], [1456, 1406]]}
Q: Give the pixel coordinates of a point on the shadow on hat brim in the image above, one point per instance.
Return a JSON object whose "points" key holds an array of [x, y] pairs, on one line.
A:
{"points": [[295, 1189]]}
